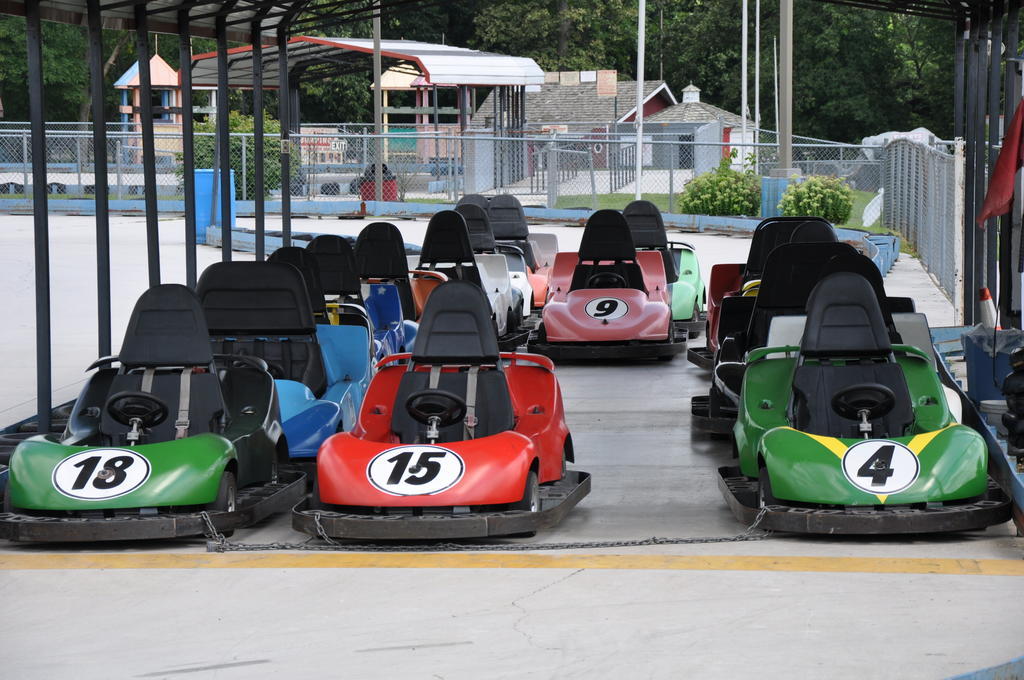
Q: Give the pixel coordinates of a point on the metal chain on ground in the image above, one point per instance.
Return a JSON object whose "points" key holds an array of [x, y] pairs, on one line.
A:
{"points": [[218, 543]]}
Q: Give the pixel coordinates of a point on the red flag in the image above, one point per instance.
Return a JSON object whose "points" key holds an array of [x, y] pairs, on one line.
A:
{"points": [[999, 196]]}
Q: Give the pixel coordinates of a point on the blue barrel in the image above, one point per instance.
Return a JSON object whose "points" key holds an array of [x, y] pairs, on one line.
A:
{"points": [[208, 203], [772, 189]]}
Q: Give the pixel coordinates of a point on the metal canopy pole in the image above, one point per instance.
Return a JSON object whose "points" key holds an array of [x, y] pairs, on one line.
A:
{"points": [[378, 111], [959, 66], [34, 42], [148, 144], [188, 155], [994, 72], [223, 138], [282, 115], [980, 159], [257, 139], [970, 294], [1009, 308], [99, 171]]}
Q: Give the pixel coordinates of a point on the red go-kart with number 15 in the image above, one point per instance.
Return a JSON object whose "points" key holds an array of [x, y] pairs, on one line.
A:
{"points": [[454, 440]]}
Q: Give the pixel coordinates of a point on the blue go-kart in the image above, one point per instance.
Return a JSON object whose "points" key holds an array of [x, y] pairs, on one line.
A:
{"points": [[322, 370]]}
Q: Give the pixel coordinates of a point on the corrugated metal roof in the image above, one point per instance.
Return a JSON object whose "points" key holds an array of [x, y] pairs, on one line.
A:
{"points": [[441, 64]]}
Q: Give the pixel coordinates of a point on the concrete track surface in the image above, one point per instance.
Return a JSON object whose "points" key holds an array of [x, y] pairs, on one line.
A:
{"points": [[784, 607]]}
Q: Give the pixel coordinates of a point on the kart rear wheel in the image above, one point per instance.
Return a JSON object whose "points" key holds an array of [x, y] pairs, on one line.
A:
{"points": [[696, 316], [314, 497], [227, 497]]}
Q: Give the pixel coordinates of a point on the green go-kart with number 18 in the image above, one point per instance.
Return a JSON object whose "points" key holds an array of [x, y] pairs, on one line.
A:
{"points": [[165, 440], [850, 432]]}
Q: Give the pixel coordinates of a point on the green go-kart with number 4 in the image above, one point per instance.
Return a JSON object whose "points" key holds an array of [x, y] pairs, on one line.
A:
{"points": [[847, 428], [165, 440]]}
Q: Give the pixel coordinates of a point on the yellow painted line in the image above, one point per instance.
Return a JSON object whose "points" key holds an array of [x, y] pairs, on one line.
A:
{"points": [[327, 560]]}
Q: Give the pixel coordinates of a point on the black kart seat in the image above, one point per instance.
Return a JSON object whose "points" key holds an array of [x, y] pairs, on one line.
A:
{"points": [[813, 231], [648, 230], [862, 265], [846, 343], [478, 200], [456, 331], [508, 224], [607, 247], [447, 248], [480, 235], [508, 221], [768, 234], [263, 309], [166, 336], [337, 261], [790, 274], [308, 266], [380, 254], [646, 225]]}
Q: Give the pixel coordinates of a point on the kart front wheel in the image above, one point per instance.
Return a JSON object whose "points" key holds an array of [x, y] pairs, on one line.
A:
{"points": [[764, 489], [227, 497], [530, 501]]}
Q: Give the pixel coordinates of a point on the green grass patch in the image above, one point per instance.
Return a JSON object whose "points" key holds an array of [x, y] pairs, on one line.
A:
{"points": [[612, 201], [860, 201]]}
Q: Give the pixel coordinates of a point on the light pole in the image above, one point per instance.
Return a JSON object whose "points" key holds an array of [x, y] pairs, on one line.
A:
{"points": [[641, 34]]}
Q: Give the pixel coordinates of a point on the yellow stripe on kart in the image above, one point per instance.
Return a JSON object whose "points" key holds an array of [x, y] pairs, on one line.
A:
{"points": [[920, 441], [831, 443]]}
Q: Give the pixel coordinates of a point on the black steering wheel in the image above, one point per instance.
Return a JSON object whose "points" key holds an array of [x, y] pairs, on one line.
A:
{"points": [[875, 398], [126, 406], [607, 280], [448, 408]]}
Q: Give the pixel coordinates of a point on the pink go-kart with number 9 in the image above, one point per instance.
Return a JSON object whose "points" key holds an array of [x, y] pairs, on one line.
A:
{"points": [[608, 301]]}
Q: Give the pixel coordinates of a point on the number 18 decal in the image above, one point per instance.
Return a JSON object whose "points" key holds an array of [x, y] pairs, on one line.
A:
{"points": [[418, 470], [606, 308], [880, 467], [100, 474]]}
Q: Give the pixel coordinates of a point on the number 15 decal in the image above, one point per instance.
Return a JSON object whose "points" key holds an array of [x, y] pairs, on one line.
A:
{"points": [[418, 470], [608, 308]]}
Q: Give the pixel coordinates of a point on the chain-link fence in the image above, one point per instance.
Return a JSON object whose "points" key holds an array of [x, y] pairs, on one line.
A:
{"points": [[923, 200], [582, 167]]}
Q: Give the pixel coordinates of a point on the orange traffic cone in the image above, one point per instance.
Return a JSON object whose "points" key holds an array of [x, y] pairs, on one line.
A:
{"points": [[987, 309]]}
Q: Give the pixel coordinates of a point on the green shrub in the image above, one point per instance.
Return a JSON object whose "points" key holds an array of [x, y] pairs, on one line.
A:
{"points": [[722, 192], [820, 196]]}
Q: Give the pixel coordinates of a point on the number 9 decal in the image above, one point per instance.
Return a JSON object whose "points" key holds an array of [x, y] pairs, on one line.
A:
{"points": [[608, 308], [100, 474], [418, 470], [880, 467]]}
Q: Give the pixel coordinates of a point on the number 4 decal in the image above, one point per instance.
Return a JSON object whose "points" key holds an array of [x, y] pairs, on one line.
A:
{"points": [[880, 467]]}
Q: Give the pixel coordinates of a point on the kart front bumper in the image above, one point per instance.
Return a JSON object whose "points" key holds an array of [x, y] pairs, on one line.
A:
{"points": [[639, 349], [556, 500], [254, 503], [741, 493]]}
